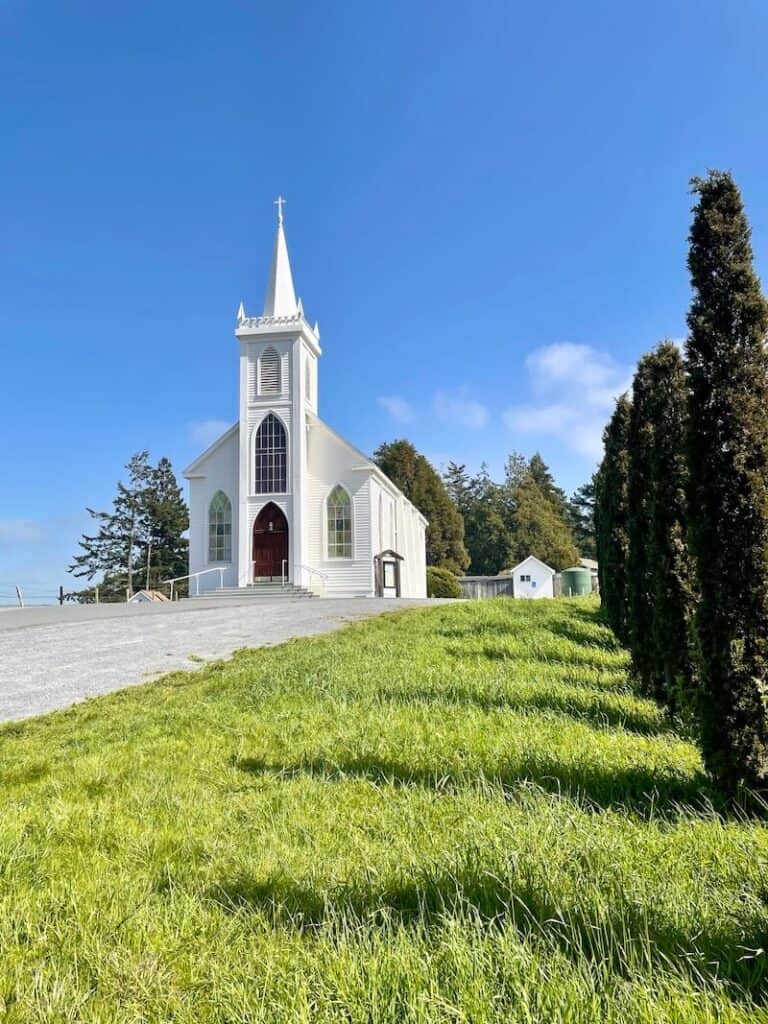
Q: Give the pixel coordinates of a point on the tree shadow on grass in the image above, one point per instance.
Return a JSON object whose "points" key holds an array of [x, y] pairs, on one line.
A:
{"points": [[595, 707], [585, 655], [641, 791], [628, 936], [570, 629]]}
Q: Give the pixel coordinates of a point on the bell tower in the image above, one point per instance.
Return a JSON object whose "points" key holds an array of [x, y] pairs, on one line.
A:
{"points": [[279, 352]]}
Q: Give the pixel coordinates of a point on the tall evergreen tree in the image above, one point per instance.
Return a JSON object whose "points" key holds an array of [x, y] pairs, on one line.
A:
{"points": [[113, 550], [671, 585], [611, 515], [728, 459], [539, 529], [167, 520], [581, 518], [421, 484], [542, 476], [144, 531], [639, 579], [505, 522], [487, 511]]}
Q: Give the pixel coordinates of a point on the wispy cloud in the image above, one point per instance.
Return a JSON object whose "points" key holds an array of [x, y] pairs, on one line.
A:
{"points": [[20, 531], [205, 432], [575, 387], [456, 408], [398, 408]]}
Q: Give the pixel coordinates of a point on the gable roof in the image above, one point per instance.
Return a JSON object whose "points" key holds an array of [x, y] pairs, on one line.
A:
{"points": [[367, 465], [193, 467], [532, 558]]}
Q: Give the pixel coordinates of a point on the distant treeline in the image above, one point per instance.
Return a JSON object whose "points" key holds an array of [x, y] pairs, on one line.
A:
{"points": [[482, 526]]}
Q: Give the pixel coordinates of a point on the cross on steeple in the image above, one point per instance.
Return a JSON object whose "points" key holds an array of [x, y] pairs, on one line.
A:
{"points": [[280, 298]]}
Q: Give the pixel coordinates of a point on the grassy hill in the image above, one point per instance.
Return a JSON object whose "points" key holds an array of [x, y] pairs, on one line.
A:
{"points": [[448, 814]]}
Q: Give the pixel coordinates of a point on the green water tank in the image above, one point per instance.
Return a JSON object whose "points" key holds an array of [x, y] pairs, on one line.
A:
{"points": [[576, 582]]}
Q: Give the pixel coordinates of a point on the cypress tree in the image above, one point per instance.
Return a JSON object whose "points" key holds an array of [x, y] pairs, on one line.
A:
{"points": [[639, 596], [728, 461], [671, 582], [611, 515]]}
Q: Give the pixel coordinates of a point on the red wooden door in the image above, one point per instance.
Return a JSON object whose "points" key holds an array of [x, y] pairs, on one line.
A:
{"points": [[270, 542]]}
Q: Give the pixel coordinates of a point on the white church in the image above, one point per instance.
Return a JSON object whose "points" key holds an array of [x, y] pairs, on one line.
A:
{"points": [[281, 496]]}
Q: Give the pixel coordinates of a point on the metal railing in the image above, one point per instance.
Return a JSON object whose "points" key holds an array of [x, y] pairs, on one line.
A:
{"points": [[311, 570], [196, 577]]}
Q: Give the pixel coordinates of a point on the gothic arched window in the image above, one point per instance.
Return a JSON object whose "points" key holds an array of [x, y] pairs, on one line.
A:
{"points": [[339, 523], [220, 528], [271, 457], [269, 373]]}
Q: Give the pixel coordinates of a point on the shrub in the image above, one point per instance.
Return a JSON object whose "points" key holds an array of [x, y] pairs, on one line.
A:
{"points": [[442, 583]]}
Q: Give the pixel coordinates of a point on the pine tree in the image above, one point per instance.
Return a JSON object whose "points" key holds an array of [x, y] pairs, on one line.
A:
{"points": [[540, 530], [542, 476], [421, 484], [141, 537], [611, 514], [639, 578], [728, 459], [506, 522], [167, 520], [581, 518], [113, 550], [672, 589], [489, 525]]}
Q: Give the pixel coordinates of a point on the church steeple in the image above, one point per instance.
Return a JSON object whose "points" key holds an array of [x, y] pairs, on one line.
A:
{"points": [[280, 299]]}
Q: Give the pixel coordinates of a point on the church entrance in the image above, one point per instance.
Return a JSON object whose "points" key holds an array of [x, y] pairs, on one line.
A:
{"points": [[270, 543]]}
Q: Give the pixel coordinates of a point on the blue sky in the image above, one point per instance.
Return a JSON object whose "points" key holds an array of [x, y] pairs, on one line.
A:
{"points": [[487, 212]]}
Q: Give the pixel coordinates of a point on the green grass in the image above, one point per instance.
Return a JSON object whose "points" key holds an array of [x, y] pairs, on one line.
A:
{"points": [[451, 814]]}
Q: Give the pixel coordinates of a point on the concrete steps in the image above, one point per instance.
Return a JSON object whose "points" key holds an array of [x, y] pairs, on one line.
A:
{"points": [[255, 592]]}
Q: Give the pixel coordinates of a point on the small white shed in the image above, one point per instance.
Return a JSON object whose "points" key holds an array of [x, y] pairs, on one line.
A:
{"points": [[533, 578]]}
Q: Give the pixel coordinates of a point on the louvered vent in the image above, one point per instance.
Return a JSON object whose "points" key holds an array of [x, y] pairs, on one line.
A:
{"points": [[269, 373]]}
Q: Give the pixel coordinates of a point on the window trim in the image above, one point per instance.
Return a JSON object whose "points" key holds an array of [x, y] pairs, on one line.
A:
{"points": [[326, 540], [220, 561]]}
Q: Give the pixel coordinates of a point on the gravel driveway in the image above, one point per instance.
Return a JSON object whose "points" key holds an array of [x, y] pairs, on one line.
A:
{"points": [[53, 657]]}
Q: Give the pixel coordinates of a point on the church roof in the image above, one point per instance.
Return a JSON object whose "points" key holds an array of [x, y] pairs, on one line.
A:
{"points": [[280, 299], [193, 469], [367, 465]]}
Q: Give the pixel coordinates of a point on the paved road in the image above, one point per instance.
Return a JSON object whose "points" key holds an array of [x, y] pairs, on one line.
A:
{"points": [[53, 657]]}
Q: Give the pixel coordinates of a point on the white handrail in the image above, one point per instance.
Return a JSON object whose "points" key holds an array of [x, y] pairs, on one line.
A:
{"points": [[196, 577], [310, 569]]}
